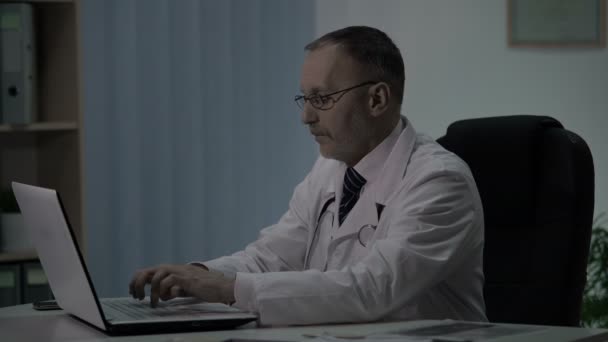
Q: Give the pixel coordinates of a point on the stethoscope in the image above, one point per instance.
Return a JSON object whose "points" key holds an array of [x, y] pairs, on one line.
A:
{"points": [[363, 235]]}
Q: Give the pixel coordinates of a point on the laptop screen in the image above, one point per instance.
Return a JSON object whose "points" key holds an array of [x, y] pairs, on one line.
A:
{"points": [[47, 227]]}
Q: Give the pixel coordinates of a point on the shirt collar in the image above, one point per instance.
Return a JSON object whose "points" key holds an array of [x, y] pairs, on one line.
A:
{"points": [[371, 165]]}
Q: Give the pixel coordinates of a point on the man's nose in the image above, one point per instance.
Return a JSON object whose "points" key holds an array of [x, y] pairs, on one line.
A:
{"points": [[309, 114]]}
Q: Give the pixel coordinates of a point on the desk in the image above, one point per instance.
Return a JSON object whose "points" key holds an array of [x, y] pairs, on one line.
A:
{"points": [[22, 323]]}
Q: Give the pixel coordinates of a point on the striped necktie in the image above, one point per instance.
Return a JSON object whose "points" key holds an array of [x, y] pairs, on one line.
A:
{"points": [[353, 182]]}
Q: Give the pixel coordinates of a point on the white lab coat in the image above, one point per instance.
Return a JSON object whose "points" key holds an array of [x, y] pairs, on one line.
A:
{"points": [[423, 260]]}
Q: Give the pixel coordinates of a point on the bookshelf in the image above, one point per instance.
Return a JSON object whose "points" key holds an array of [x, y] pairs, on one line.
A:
{"points": [[48, 152]]}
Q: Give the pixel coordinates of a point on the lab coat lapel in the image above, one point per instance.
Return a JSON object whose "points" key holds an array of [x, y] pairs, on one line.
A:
{"points": [[364, 212], [384, 188], [327, 194], [394, 168], [337, 183]]}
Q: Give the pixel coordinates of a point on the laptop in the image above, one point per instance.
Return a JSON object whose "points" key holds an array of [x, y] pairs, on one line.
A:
{"points": [[48, 228]]}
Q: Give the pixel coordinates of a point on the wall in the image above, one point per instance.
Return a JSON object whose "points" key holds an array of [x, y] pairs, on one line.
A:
{"points": [[458, 65]]}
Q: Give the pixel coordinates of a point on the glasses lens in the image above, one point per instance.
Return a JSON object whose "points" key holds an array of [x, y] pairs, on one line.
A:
{"points": [[316, 101]]}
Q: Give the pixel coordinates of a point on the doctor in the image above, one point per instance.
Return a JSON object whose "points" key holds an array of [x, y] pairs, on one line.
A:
{"points": [[387, 225]]}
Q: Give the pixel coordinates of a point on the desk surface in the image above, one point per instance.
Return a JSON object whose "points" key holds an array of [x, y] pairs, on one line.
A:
{"points": [[22, 323]]}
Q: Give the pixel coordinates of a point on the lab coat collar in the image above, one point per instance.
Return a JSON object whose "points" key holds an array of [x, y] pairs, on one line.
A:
{"points": [[370, 166], [381, 192], [394, 168]]}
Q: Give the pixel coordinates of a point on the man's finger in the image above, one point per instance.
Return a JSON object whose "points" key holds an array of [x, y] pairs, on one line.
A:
{"points": [[166, 287], [187, 286], [136, 276], [160, 274], [139, 281], [177, 291]]}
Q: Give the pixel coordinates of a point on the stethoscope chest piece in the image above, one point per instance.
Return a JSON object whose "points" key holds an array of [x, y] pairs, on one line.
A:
{"points": [[365, 234]]}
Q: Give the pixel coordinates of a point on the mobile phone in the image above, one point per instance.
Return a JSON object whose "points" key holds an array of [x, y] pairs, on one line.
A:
{"points": [[46, 305]]}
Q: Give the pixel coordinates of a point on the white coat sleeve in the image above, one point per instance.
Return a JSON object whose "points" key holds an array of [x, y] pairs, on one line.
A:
{"points": [[433, 228]]}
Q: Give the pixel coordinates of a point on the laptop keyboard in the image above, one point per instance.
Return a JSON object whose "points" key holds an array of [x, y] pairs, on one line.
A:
{"points": [[125, 309], [131, 309]]}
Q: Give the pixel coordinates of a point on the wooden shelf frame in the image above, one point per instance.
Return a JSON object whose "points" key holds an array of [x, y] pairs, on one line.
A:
{"points": [[8, 257], [41, 127], [49, 152]]}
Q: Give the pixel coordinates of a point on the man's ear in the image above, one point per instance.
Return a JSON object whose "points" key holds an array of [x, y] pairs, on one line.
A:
{"points": [[379, 96]]}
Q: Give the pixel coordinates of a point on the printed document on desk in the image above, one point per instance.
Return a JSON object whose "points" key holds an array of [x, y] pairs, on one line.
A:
{"points": [[446, 331]]}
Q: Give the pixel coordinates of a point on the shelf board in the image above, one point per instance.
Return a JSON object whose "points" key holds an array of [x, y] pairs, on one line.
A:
{"points": [[18, 256], [40, 127]]}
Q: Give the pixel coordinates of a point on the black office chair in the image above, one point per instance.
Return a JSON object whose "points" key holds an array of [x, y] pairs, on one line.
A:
{"points": [[536, 181]]}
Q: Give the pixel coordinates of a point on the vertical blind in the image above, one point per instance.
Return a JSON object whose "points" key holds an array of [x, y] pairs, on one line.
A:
{"points": [[192, 142]]}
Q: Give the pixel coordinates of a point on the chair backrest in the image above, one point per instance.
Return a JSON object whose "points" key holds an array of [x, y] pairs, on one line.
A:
{"points": [[536, 182]]}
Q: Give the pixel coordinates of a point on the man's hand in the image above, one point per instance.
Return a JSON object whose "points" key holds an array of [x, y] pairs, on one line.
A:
{"points": [[170, 281]]}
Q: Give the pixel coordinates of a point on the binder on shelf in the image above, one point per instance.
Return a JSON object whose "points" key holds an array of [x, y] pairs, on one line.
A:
{"points": [[10, 285], [36, 286], [17, 62]]}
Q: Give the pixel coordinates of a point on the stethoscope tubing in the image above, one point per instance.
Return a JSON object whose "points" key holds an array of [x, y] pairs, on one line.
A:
{"points": [[324, 210]]}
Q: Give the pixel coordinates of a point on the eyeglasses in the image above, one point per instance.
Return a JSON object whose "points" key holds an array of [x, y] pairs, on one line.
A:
{"points": [[325, 102]]}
